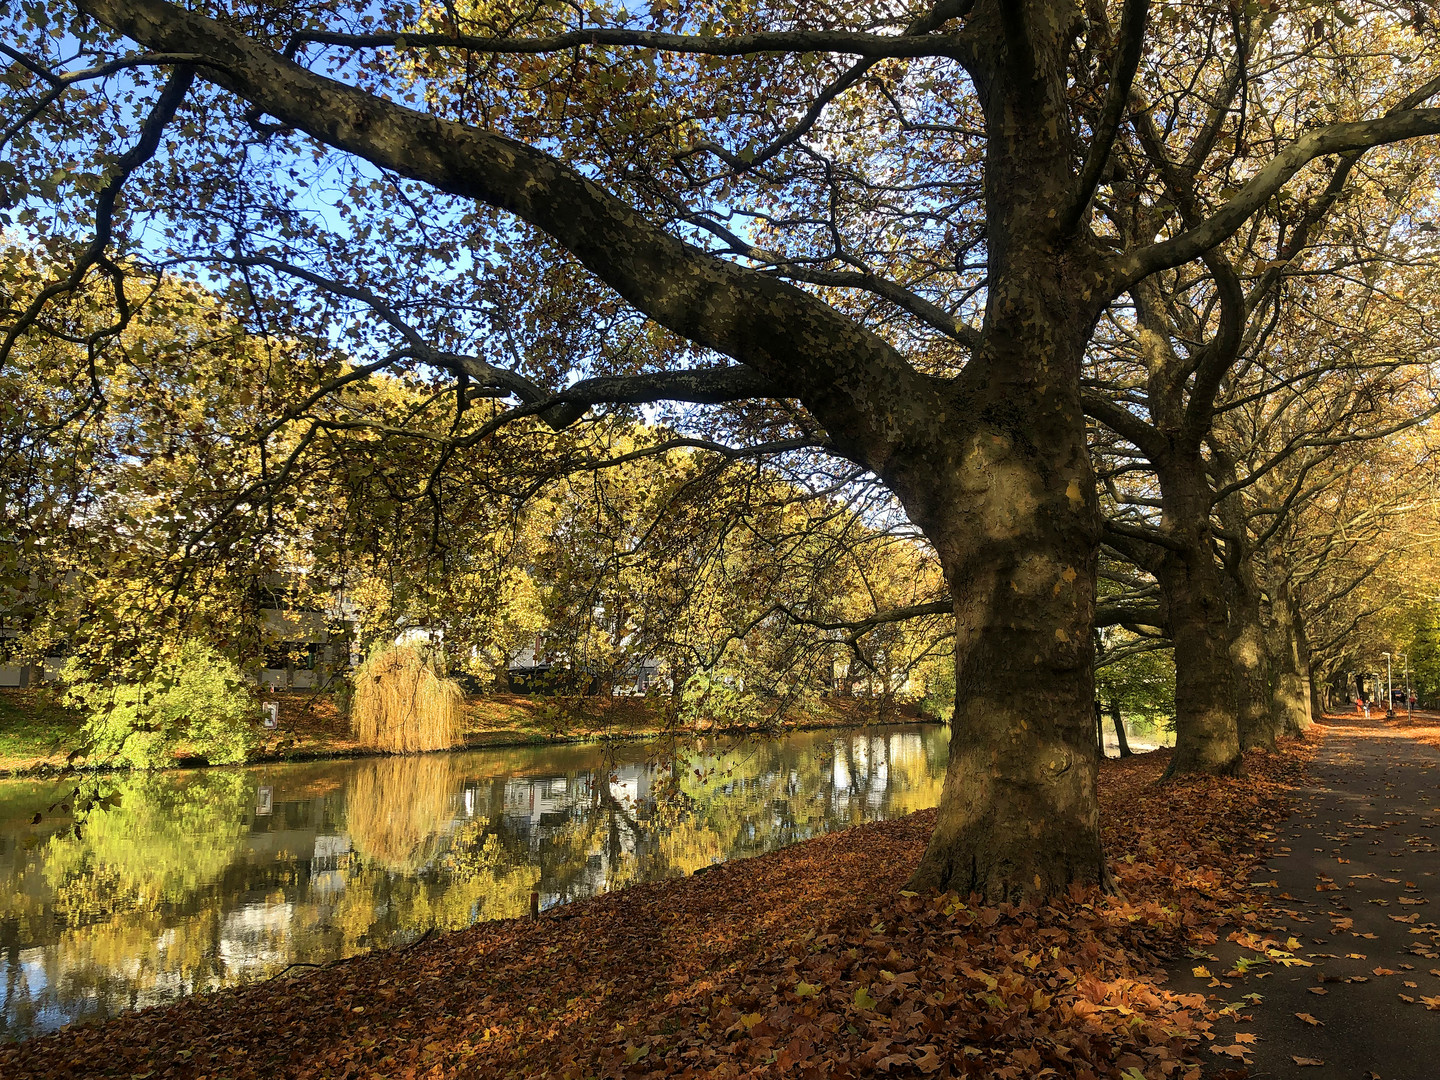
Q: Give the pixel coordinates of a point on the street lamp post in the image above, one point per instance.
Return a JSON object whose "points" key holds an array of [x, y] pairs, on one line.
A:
{"points": [[1389, 690]]}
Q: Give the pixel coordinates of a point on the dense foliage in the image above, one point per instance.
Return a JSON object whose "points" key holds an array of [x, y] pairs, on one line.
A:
{"points": [[1014, 290], [195, 701]]}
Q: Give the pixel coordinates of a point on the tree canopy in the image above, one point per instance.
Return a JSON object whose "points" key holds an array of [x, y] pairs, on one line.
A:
{"points": [[884, 236]]}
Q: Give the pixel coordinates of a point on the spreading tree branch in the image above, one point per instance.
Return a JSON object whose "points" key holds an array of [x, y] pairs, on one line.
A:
{"points": [[1342, 138], [1117, 96], [792, 339], [166, 105]]}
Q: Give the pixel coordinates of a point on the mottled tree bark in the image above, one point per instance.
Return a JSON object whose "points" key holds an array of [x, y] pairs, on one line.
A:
{"points": [[1206, 736], [1015, 525], [1303, 663], [1249, 647], [1319, 689], [1290, 687], [1250, 654]]}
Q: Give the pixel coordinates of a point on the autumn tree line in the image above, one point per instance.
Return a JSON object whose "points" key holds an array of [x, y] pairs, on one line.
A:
{"points": [[1114, 320], [619, 544]]}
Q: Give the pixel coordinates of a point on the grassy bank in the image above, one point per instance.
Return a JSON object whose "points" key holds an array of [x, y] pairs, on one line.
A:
{"points": [[36, 733], [809, 961], [34, 730]]}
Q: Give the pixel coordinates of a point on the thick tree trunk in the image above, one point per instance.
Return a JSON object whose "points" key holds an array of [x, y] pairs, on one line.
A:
{"points": [[1206, 735], [1302, 657], [1119, 722], [1018, 814], [1010, 507], [1250, 655], [1249, 647], [1290, 689], [1000, 481]]}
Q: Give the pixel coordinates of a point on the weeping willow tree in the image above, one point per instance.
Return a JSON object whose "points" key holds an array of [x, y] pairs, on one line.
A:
{"points": [[397, 811], [403, 704]]}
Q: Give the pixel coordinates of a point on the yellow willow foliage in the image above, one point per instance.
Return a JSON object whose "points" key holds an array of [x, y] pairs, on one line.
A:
{"points": [[403, 705], [396, 810]]}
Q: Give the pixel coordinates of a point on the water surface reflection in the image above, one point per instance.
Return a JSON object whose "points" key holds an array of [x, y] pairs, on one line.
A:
{"points": [[153, 886]]}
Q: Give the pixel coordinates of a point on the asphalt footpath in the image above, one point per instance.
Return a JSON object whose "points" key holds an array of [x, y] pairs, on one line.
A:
{"points": [[1349, 985]]}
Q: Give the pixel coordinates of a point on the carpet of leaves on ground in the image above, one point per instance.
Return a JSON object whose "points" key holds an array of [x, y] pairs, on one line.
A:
{"points": [[806, 962], [1424, 726]]}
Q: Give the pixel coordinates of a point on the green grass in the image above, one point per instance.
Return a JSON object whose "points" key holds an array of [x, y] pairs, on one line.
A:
{"points": [[34, 728]]}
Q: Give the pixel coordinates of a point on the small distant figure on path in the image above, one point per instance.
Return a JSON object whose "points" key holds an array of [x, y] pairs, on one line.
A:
{"points": [[1366, 702], [1359, 706]]}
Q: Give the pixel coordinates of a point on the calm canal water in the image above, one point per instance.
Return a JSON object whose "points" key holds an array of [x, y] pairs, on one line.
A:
{"points": [[145, 888]]}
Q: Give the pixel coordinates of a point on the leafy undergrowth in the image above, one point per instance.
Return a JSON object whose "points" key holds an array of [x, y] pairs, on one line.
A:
{"points": [[34, 729], [805, 962]]}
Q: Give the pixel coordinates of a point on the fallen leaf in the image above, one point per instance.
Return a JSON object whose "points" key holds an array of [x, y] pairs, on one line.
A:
{"points": [[1235, 1051]]}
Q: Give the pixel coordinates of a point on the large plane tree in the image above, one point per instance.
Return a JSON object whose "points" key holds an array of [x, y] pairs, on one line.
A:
{"points": [[876, 223]]}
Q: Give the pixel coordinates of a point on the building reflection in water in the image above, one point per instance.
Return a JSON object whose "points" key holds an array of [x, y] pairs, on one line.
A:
{"points": [[134, 891]]}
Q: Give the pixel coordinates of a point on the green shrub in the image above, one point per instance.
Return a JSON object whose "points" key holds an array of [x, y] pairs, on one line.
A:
{"points": [[195, 699], [939, 700]]}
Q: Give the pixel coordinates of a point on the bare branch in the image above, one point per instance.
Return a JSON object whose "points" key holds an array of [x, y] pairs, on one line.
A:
{"points": [[703, 387], [843, 42], [905, 299], [1125, 424], [858, 627], [1117, 96], [920, 28], [1333, 139], [173, 93]]}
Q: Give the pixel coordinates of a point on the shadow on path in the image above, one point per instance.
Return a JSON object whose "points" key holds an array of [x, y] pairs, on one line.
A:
{"points": [[1353, 881]]}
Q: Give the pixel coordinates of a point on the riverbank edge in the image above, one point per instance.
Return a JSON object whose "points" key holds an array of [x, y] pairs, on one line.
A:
{"points": [[47, 771], [710, 932]]}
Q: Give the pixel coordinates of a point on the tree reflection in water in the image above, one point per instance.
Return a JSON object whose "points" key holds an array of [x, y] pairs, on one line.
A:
{"points": [[397, 809], [153, 886]]}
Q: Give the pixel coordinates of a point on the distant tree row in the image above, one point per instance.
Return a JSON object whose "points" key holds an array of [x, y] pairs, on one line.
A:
{"points": [[139, 520]]}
